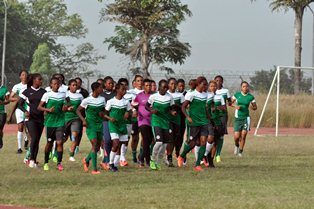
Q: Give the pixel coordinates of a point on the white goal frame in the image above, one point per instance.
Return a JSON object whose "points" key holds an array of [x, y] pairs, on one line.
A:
{"points": [[277, 77]]}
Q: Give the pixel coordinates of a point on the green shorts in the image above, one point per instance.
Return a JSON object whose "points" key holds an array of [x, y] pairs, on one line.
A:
{"points": [[93, 134], [241, 124]]}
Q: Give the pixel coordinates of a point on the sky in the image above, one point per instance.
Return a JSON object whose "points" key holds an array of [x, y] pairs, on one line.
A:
{"points": [[225, 35]]}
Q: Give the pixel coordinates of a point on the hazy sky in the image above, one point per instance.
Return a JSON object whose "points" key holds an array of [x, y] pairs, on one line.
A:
{"points": [[226, 35]]}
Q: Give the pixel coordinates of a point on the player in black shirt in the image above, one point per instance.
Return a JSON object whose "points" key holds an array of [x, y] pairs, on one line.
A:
{"points": [[28, 103]]}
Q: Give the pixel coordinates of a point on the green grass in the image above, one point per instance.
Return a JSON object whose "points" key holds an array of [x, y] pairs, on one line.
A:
{"points": [[274, 173]]}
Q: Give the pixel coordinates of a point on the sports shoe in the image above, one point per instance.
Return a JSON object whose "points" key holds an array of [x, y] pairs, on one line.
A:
{"points": [[236, 150], [85, 165], [123, 163], [19, 151], [240, 154], [95, 172], [46, 167], [26, 161], [180, 161], [205, 162], [113, 168], [198, 168], [158, 167], [152, 165], [218, 159], [72, 159], [104, 166], [55, 159], [31, 164], [60, 167]]}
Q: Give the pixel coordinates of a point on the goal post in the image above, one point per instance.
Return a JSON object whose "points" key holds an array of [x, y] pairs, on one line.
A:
{"points": [[277, 78]]}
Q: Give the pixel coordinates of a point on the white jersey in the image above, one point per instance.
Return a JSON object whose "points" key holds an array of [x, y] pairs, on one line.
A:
{"points": [[19, 88], [62, 89], [224, 93]]}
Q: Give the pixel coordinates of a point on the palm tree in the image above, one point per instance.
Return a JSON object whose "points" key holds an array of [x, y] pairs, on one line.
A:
{"points": [[298, 6]]}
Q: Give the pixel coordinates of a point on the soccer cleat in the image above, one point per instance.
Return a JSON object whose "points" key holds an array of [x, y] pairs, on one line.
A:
{"points": [[152, 165], [123, 163], [26, 161], [55, 159], [85, 165], [158, 167], [72, 159], [19, 151], [60, 167], [180, 161], [113, 168], [31, 164], [205, 162], [218, 159], [198, 168], [46, 167], [95, 172], [104, 166], [236, 150]]}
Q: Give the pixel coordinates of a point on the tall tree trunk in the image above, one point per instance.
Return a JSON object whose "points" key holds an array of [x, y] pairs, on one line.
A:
{"points": [[145, 57], [298, 48]]}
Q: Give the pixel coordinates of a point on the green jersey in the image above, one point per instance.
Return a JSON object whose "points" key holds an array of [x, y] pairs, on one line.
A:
{"points": [[226, 95], [178, 100], [93, 106], [197, 111], [244, 101], [130, 97], [72, 99], [215, 101], [56, 100], [162, 104], [117, 109], [3, 93]]}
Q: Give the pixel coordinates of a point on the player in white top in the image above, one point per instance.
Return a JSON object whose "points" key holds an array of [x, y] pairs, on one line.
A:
{"points": [[20, 116]]}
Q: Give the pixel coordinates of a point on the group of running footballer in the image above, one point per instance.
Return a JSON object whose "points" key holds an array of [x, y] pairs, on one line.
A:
{"points": [[113, 114]]}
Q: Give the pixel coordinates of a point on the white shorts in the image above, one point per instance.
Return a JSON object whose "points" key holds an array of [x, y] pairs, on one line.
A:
{"points": [[122, 138], [20, 116], [129, 128]]}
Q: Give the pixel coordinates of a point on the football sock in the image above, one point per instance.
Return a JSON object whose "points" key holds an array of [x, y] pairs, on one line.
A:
{"points": [[196, 149], [200, 155], [19, 139], [156, 149], [220, 143], [94, 160], [59, 156], [208, 148], [112, 156], [186, 149], [116, 160]]}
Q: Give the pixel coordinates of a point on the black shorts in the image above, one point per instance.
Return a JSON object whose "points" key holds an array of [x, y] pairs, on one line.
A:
{"points": [[161, 135], [197, 131], [211, 131], [3, 119], [174, 132], [219, 131], [135, 129], [54, 133], [73, 126]]}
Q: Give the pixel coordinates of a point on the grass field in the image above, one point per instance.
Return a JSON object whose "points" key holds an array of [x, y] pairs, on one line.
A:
{"points": [[274, 173]]}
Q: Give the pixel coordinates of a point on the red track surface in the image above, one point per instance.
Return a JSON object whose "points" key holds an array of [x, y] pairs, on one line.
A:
{"points": [[14, 207]]}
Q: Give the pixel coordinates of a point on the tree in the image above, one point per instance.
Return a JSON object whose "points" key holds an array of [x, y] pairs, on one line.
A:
{"points": [[298, 6], [262, 79], [77, 61], [148, 33], [42, 61]]}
